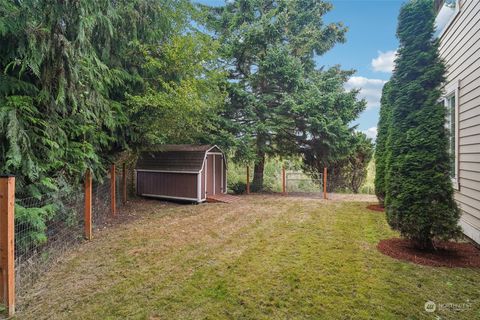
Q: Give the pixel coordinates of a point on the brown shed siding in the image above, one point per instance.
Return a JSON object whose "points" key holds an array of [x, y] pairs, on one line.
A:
{"points": [[180, 185], [182, 171]]}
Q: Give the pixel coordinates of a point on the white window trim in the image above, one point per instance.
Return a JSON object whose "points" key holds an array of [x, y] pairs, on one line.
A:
{"points": [[453, 89], [449, 23]]}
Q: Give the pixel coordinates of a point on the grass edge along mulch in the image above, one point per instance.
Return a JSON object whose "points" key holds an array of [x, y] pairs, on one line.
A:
{"points": [[447, 254]]}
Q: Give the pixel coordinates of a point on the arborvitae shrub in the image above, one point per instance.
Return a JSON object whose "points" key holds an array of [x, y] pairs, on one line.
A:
{"points": [[419, 198]]}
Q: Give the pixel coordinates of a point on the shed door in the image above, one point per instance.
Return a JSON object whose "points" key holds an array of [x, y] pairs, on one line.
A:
{"points": [[218, 174], [210, 174]]}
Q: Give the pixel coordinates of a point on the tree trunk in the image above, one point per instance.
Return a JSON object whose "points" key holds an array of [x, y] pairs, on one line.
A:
{"points": [[426, 244], [257, 183]]}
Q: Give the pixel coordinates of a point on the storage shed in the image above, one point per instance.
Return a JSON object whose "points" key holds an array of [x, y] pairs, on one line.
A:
{"points": [[182, 172]]}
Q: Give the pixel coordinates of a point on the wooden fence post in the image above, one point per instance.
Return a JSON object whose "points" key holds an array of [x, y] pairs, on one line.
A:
{"points": [[7, 242], [325, 183], [248, 180], [284, 181], [88, 206], [124, 183], [113, 190]]}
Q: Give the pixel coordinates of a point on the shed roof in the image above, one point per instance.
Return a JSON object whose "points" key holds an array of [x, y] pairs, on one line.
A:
{"points": [[175, 157]]}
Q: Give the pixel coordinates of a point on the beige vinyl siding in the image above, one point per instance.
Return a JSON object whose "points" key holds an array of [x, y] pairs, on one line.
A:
{"points": [[460, 48]]}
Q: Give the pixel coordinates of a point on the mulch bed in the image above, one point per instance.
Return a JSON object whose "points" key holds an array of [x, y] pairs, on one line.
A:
{"points": [[376, 207], [448, 254]]}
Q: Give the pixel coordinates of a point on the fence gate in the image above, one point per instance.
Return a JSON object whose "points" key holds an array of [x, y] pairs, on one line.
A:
{"points": [[300, 183]]}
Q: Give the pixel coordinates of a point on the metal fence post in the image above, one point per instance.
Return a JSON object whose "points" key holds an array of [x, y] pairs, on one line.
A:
{"points": [[248, 180], [113, 190], [88, 205], [7, 242], [284, 181]]}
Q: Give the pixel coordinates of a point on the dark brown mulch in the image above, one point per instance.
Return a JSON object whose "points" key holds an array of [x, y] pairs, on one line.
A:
{"points": [[448, 254], [376, 207]]}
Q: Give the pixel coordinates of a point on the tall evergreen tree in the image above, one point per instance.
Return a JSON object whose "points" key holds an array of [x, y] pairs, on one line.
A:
{"points": [[269, 48], [420, 201], [382, 147]]}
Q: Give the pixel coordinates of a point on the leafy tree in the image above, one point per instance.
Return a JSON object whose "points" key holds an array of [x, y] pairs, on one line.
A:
{"points": [[382, 145], [184, 87], [354, 169], [420, 201], [269, 48], [171, 79]]}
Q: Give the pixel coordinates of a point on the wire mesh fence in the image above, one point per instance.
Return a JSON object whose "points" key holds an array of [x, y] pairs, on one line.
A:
{"points": [[299, 182], [48, 226], [101, 204], [45, 228]]}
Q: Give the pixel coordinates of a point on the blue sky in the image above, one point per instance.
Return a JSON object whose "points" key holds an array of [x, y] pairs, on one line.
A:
{"points": [[369, 49]]}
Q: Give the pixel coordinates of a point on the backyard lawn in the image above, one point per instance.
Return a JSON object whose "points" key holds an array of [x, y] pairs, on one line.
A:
{"points": [[264, 257]]}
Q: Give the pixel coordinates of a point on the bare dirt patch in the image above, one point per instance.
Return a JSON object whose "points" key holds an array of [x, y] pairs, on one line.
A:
{"points": [[376, 207], [447, 254]]}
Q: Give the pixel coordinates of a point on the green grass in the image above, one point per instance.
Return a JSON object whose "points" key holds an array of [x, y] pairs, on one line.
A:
{"points": [[264, 257]]}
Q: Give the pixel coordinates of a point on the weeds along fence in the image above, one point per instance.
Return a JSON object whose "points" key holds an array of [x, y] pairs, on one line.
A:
{"points": [[46, 227]]}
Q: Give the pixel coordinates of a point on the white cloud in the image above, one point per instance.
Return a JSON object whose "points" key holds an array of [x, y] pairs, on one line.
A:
{"points": [[384, 62], [370, 89], [371, 133]]}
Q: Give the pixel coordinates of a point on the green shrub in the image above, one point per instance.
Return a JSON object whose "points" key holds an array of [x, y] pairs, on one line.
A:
{"points": [[238, 187], [31, 225]]}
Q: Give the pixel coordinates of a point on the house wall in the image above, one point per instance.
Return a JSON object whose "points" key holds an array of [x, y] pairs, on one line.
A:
{"points": [[460, 48], [169, 185]]}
